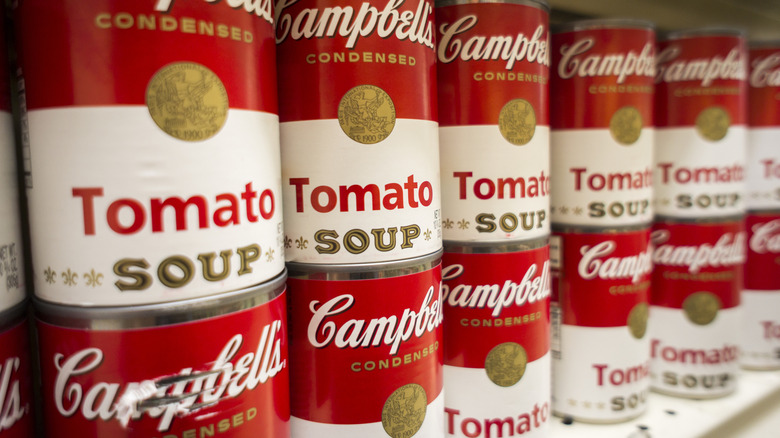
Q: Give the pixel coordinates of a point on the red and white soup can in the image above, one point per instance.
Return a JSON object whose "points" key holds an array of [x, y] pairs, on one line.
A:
{"points": [[601, 113], [696, 289], [601, 287], [153, 165], [359, 131], [496, 300], [701, 119], [763, 154], [200, 367], [366, 349], [494, 119], [17, 407], [761, 296]]}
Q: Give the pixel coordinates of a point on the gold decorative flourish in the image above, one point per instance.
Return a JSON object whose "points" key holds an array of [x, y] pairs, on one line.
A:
{"points": [[427, 234], [287, 242], [269, 255], [463, 224], [578, 211], [50, 275], [448, 223], [69, 277], [301, 243], [93, 278], [564, 210]]}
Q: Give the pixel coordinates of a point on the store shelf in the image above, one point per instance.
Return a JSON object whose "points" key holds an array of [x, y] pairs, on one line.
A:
{"points": [[748, 413]]}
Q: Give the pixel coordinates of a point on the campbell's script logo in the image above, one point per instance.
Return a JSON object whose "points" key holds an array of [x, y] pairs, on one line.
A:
{"points": [[11, 407], [595, 263], [509, 48], [766, 237], [576, 60], [359, 333], [535, 286], [354, 23], [261, 8], [728, 251], [170, 396], [765, 72], [706, 70]]}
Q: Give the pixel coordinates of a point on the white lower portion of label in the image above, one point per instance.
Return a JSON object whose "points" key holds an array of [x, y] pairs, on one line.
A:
{"points": [[12, 287], [601, 374], [476, 407], [597, 181], [493, 190], [697, 178], [763, 169], [348, 202], [691, 360], [760, 329], [432, 426], [121, 213]]}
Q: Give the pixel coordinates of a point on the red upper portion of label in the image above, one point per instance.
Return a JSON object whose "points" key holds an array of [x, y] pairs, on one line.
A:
{"points": [[602, 277], [696, 73], [489, 54], [494, 298], [595, 72], [353, 343], [704, 257], [325, 50], [16, 396], [762, 268], [764, 97], [92, 53], [235, 365]]}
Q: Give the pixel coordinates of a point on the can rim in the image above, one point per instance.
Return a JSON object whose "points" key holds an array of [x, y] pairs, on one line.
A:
{"points": [[363, 271], [604, 23], [699, 220], [764, 44], [724, 31], [159, 314], [11, 316], [541, 4], [597, 229], [494, 247]]}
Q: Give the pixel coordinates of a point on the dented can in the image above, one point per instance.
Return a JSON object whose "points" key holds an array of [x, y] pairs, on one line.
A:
{"points": [[494, 129], [601, 287], [360, 146], [496, 300], [696, 289], [212, 365], [701, 119], [152, 166], [17, 407], [602, 123], [763, 156], [366, 349]]}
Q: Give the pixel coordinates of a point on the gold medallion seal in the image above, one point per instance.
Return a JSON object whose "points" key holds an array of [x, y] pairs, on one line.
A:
{"points": [[637, 320], [505, 364], [517, 122], [701, 308], [404, 411], [713, 123], [187, 101], [367, 114], [626, 125]]}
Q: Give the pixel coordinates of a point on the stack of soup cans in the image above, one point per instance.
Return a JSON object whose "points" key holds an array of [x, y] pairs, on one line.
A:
{"points": [[761, 296], [699, 235], [493, 78], [601, 148], [153, 176], [362, 205]]}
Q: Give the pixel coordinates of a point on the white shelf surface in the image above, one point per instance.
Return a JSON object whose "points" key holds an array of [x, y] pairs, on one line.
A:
{"points": [[753, 409]]}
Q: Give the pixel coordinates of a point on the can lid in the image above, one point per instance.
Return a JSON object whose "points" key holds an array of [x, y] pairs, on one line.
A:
{"points": [[603, 23], [724, 31], [159, 314], [541, 4], [364, 271]]}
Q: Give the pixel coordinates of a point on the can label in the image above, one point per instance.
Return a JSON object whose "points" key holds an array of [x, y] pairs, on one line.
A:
{"points": [[360, 146], [594, 272], [701, 115], [497, 343], [760, 346], [495, 164], [229, 375], [609, 72], [696, 284], [763, 161], [129, 154], [16, 394], [367, 356]]}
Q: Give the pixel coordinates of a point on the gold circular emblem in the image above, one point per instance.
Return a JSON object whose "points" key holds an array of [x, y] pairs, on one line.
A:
{"points": [[404, 411], [505, 364], [701, 308], [187, 101], [517, 122], [637, 320], [626, 125], [367, 114], [713, 123]]}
